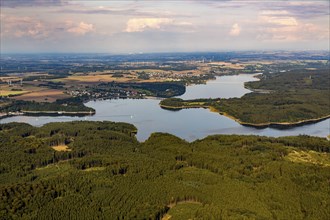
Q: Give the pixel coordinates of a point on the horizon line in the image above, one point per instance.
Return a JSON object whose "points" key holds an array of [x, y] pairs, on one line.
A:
{"points": [[167, 52]]}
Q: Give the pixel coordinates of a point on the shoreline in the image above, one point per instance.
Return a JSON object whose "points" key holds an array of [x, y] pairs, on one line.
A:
{"points": [[46, 113], [279, 125], [175, 108], [58, 112]]}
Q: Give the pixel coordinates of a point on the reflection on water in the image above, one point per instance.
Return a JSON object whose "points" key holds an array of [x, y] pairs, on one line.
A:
{"points": [[190, 124]]}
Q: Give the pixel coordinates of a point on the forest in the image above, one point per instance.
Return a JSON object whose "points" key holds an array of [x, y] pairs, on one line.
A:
{"points": [[98, 170], [68, 105], [156, 89], [283, 97]]}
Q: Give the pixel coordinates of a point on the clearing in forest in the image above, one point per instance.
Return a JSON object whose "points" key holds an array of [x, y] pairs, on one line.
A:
{"points": [[61, 148]]}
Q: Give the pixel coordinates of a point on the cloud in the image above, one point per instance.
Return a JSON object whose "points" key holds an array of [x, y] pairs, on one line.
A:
{"points": [[278, 17], [81, 29], [274, 12], [142, 24], [32, 3], [23, 27], [299, 9], [99, 10], [136, 9], [235, 30], [300, 32], [225, 4], [281, 25]]}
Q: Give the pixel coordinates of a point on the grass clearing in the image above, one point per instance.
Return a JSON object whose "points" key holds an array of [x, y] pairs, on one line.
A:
{"points": [[182, 211], [94, 169], [312, 157], [52, 170], [201, 104], [61, 148]]}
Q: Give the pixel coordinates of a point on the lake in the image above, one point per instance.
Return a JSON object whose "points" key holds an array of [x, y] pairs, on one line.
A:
{"points": [[189, 124]]}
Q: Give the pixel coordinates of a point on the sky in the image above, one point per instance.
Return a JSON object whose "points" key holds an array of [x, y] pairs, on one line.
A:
{"points": [[56, 26]]}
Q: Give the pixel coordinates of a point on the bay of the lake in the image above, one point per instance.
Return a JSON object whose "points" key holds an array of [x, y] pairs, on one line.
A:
{"points": [[190, 124]]}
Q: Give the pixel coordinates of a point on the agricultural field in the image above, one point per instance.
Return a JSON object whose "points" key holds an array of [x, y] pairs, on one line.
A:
{"points": [[229, 65], [11, 93], [43, 95]]}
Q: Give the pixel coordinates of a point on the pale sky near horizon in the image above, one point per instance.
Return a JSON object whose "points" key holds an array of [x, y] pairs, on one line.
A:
{"points": [[33, 26]]}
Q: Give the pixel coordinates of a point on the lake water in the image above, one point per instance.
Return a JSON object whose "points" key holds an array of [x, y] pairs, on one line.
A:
{"points": [[190, 124], [222, 87]]}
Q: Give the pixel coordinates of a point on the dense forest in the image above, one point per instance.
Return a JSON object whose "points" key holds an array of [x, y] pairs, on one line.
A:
{"points": [[291, 96], [156, 89], [98, 170], [293, 80], [67, 105]]}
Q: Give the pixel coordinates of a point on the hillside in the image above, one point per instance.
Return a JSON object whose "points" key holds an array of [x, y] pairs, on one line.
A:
{"points": [[98, 170]]}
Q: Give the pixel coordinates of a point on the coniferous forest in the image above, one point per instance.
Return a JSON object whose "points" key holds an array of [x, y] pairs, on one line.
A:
{"points": [[98, 170]]}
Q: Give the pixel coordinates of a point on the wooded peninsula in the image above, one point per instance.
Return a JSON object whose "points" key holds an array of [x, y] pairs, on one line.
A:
{"points": [[280, 99]]}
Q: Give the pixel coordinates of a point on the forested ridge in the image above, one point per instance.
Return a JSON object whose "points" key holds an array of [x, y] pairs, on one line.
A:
{"points": [[46, 107], [105, 173]]}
